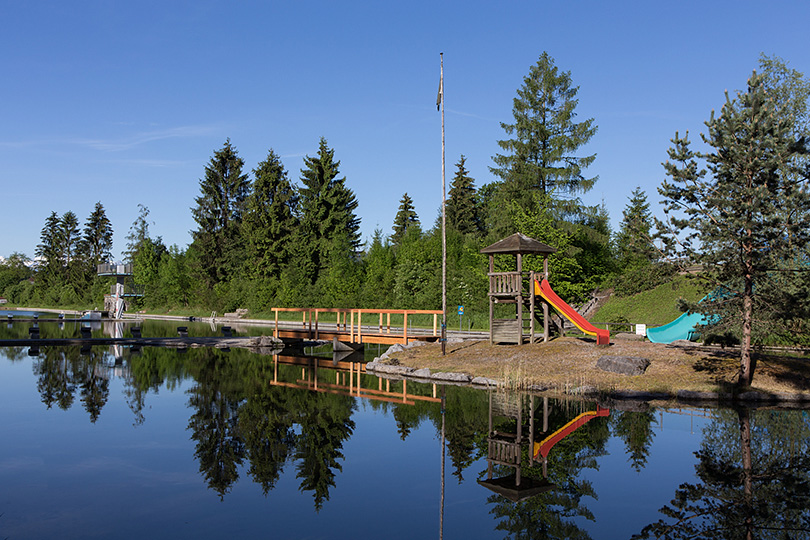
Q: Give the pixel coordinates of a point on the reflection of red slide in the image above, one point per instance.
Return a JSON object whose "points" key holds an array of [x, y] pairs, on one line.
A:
{"points": [[543, 448], [544, 290]]}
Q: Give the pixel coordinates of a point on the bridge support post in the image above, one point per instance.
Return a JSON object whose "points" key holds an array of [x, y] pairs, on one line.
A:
{"points": [[405, 329]]}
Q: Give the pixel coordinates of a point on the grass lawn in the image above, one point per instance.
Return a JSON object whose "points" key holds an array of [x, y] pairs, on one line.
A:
{"points": [[654, 307]]}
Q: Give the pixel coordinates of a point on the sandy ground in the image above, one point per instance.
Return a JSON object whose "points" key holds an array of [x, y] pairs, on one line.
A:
{"points": [[566, 363]]}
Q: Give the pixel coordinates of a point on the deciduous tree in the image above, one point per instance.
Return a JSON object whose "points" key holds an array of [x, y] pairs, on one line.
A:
{"points": [[138, 233]]}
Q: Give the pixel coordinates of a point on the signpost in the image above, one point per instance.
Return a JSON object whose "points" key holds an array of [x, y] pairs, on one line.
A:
{"points": [[460, 313]]}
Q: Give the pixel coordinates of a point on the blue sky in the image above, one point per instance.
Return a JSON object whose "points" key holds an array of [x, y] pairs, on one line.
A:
{"points": [[126, 102]]}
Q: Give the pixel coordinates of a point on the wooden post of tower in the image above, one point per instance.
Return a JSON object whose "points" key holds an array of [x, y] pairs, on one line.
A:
{"points": [[545, 304]]}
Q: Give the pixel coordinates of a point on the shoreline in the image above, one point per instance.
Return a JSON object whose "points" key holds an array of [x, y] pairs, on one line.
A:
{"points": [[690, 375]]}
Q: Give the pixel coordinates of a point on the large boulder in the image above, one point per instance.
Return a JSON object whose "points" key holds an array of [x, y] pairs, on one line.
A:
{"points": [[624, 365]]}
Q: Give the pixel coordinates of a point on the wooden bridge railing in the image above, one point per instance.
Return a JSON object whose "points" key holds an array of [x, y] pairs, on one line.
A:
{"points": [[310, 318]]}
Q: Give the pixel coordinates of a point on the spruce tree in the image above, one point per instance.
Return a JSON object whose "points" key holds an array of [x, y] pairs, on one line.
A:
{"points": [[406, 218], [97, 237], [328, 219], [48, 251], [68, 236], [743, 217], [270, 218], [462, 210], [634, 240], [541, 156], [219, 212]]}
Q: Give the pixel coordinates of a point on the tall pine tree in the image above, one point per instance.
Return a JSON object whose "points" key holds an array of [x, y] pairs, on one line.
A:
{"points": [[462, 211], [69, 237], [541, 156], [218, 213], [48, 251], [745, 216], [270, 219], [97, 237], [634, 240], [406, 218], [328, 219]]}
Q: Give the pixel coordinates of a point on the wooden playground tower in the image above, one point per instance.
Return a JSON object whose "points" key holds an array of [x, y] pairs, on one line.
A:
{"points": [[516, 287]]}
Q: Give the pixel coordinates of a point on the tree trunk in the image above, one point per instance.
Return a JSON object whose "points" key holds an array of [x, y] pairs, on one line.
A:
{"points": [[746, 373], [747, 465]]}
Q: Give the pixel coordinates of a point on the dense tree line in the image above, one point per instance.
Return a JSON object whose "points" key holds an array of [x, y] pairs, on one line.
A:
{"points": [[67, 258]]}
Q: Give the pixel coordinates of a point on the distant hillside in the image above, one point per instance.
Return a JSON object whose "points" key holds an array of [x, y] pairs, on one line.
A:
{"points": [[654, 307]]}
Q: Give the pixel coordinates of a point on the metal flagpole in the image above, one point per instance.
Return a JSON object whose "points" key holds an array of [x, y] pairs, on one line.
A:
{"points": [[444, 220]]}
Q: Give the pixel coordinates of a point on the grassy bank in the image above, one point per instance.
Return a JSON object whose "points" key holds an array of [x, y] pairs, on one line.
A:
{"points": [[654, 307]]}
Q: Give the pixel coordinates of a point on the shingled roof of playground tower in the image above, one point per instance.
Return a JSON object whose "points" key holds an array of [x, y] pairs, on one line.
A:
{"points": [[518, 243]]}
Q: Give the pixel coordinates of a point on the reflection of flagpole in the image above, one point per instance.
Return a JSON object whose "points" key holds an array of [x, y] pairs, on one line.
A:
{"points": [[441, 503], [444, 219]]}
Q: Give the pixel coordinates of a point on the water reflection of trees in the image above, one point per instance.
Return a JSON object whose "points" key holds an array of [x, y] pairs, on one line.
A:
{"points": [[241, 425], [635, 429], [754, 480], [238, 417], [61, 372]]}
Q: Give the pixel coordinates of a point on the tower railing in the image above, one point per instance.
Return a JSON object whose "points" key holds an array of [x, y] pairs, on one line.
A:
{"points": [[505, 283]]}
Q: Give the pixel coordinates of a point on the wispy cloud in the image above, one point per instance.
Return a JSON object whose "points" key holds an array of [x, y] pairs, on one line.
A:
{"points": [[111, 145], [155, 163], [117, 144]]}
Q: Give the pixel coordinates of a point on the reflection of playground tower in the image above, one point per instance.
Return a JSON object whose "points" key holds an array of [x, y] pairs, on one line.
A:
{"points": [[124, 287], [515, 288], [505, 447], [506, 440]]}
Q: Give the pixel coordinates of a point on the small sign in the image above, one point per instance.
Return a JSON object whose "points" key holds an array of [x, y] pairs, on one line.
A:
{"points": [[461, 310]]}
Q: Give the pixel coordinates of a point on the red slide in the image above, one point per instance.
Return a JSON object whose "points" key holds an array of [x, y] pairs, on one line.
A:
{"points": [[544, 290]]}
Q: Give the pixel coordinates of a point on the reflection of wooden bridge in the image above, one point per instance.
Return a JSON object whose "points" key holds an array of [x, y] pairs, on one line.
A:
{"points": [[347, 381], [349, 325]]}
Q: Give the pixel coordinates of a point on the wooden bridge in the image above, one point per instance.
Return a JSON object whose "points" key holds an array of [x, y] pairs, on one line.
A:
{"points": [[349, 326], [352, 326]]}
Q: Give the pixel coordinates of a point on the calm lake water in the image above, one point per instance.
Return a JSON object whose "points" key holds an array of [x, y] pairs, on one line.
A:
{"points": [[160, 443]]}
